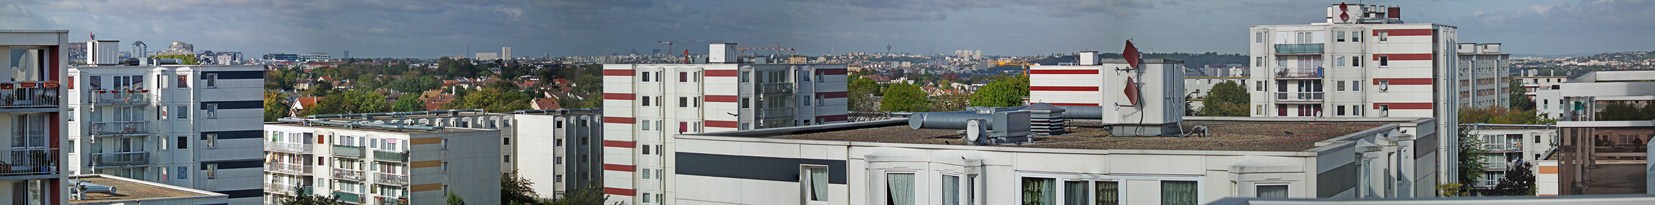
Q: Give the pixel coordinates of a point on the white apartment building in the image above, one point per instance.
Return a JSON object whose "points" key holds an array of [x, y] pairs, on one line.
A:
{"points": [[1363, 61], [889, 162], [32, 116], [188, 126], [1484, 77], [366, 163], [1507, 145], [559, 150], [1542, 89], [646, 106]]}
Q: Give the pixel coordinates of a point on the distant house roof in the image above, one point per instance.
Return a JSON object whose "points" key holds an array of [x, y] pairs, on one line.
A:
{"points": [[544, 104], [306, 102]]}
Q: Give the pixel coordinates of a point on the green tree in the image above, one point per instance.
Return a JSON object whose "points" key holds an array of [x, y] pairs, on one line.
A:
{"points": [[1519, 101], [517, 190], [275, 106], [579, 196], [1471, 159], [301, 198], [861, 92], [492, 100], [187, 59], [409, 102], [1225, 99], [1618, 111], [1501, 115], [1002, 92], [1517, 182], [903, 97], [364, 101], [949, 102], [454, 199]]}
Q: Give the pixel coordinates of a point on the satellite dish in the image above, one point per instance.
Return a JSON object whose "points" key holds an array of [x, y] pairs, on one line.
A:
{"points": [[973, 130]]}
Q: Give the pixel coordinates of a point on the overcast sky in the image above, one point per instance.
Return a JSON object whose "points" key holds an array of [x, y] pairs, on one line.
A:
{"points": [[430, 28]]}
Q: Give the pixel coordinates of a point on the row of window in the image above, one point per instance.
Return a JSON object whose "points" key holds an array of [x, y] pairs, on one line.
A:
{"points": [[126, 114], [682, 76], [1338, 36], [135, 82], [657, 101]]}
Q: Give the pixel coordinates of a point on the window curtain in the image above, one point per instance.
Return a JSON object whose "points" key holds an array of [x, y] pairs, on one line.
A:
{"points": [[1108, 193], [818, 184], [950, 190], [1074, 192], [1039, 191], [1178, 193], [900, 190], [1272, 191]]}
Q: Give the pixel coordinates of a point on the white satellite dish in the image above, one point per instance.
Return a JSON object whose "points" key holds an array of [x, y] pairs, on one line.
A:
{"points": [[973, 130]]}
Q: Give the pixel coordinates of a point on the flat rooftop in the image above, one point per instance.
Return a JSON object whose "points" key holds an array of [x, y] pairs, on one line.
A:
{"points": [[132, 190], [1223, 135], [369, 127]]}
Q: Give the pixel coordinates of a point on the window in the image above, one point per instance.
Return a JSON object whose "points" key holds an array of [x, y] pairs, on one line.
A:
{"points": [[1340, 61], [1356, 110], [1355, 85], [646, 195], [1258, 61], [184, 112], [1356, 61], [646, 175], [806, 100], [211, 110], [1272, 191], [1384, 36], [646, 77], [645, 123], [212, 171], [1039, 191], [559, 160], [899, 188], [683, 77], [1339, 36], [950, 190], [1384, 61], [1341, 86], [646, 149], [743, 102], [1355, 36], [1341, 110], [815, 182], [1074, 192], [659, 75], [211, 80], [1260, 85], [644, 100], [683, 102], [1178, 192], [1258, 37], [1108, 193], [183, 142], [744, 75], [559, 142], [184, 172], [210, 140], [183, 81]]}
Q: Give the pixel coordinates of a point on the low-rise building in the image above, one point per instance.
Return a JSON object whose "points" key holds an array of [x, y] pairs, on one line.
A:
{"points": [[99, 189], [1508, 145]]}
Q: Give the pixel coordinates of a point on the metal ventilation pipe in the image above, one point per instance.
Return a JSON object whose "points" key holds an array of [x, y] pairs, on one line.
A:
{"points": [[1082, 112], [946, 120]]}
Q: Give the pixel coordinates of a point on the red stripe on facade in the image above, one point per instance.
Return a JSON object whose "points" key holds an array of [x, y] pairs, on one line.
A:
{"points": [[1404, 81], [832, 118], [1073, 104], [722, 98], [1063, 88], [1063, 71], [620, 168], [1404, 32], [840, 94], [620, 144], [722, 73], [1423, 105], [723, 124], [619, 191], [619, 96], [618, 73], [840, 71], [619, 120], [1405, 57]]}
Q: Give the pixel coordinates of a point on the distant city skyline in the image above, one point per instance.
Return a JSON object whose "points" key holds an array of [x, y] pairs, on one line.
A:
{"points": [[426, 29]]}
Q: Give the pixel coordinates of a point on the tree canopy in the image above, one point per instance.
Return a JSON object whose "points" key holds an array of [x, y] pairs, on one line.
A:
{"points": [[903, 97], [275, 105], [1617, 111], [1225, 99], [861, 93], [1002, 92], [1519, 101], [1500, 115]]}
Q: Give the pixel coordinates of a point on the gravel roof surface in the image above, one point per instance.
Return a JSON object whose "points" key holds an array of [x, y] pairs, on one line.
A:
{"points": [[1223, 135]]}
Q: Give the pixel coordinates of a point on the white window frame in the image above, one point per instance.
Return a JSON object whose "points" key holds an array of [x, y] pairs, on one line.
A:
{"points": [[209, 80], [805, 184], [209, 111], [1258, 186]]}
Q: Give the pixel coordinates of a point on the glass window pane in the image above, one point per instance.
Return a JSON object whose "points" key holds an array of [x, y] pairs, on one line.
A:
{"points": [[1039, 191], [1272, 191], [899, 189], [1074, 192], [950, 190], [1108, 193], [818, 183], [1178, 193]]}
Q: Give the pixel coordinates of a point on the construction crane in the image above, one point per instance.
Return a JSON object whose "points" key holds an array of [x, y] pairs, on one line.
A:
{"points": [[686, 52], [1015, 62]]}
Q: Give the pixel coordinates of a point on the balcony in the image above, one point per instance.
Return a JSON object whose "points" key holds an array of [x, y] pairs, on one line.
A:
{"points": [[270, 187], [348, 197], [1299, 73], [776, 88], [1502, 148], [390, 156], [120, 97], [1299, 97], [1299, 49], [285, 168], [287, 147], [391, 179], [348, 151], [25, 162], [389, 200], [121, 158], [347, 174], [29, 96], [768, 113], [120, 128]]}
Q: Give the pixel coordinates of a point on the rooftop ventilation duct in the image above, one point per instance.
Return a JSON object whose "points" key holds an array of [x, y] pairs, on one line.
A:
{"points": [[982, 126]]}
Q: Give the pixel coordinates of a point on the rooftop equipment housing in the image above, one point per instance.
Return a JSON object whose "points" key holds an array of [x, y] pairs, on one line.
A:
{"points": [[1144, 101]]}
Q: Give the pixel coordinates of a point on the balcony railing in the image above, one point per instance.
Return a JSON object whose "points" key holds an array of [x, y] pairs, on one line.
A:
{"points": [[294, 169], [287, 147], [285, 189], [19, 161], [1299, 96], [24, 95], [1299, 72], [347, 174], [390, 200], [391, 179], [390, 156], [120, 97], [776, 112], [348, 151], [776, 88], [1501, 148], [121, 158], [1299, 49], [348, 197], [120, 128]]}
